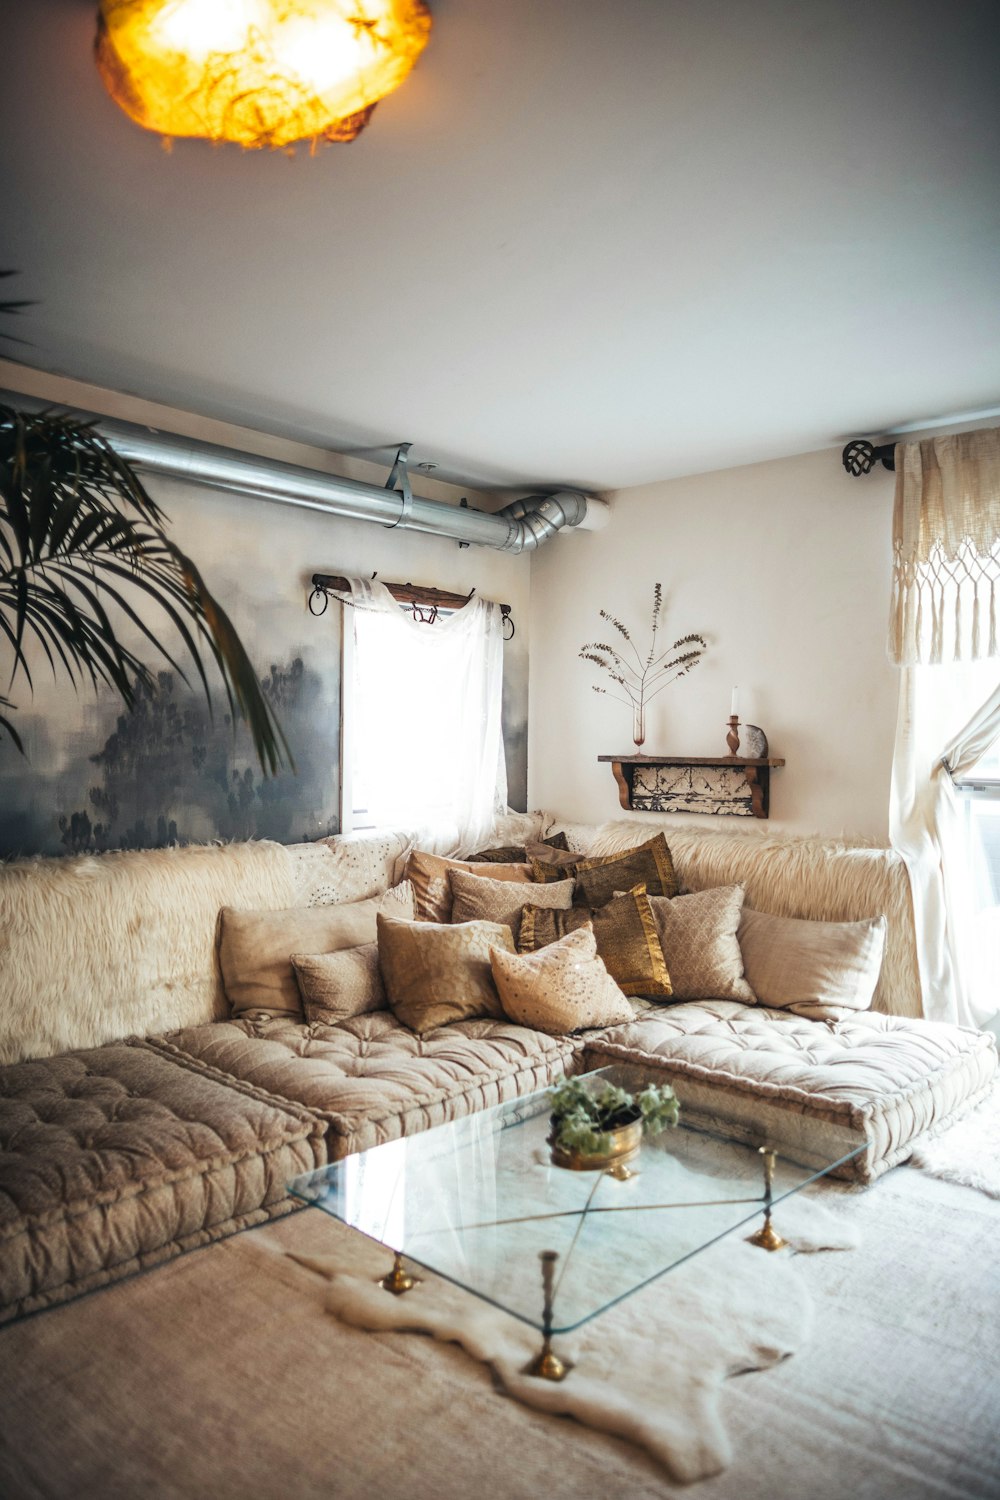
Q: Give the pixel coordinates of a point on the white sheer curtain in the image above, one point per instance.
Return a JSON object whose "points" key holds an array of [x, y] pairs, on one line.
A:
{"points": [[423, 727], [944, 620]]}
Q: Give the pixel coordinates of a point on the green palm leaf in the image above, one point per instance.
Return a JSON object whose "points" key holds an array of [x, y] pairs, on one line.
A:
{"points": [[79, 534]]}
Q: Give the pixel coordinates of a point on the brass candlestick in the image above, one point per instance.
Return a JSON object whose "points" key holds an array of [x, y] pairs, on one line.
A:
{"points": [[547, 1364], [767, 1237], [399, 1279], [733, 737]]}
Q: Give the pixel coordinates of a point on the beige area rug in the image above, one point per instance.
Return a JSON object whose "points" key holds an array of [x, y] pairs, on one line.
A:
{"points": [[969, 1152], [649, 1370], [220, 1375]]}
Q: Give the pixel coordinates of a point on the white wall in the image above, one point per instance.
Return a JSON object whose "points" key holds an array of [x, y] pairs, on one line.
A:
{"points": [[785, 568]]}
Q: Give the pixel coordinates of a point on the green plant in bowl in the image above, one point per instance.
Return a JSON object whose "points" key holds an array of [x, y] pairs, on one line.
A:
{"points": [[583, 1119]]}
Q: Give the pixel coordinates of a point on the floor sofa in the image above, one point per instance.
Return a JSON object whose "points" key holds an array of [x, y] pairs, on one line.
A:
{"points": [[138, 1120]]}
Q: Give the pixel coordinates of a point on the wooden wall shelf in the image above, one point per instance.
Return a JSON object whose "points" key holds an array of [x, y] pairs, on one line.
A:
{"points": [[726, 785]]}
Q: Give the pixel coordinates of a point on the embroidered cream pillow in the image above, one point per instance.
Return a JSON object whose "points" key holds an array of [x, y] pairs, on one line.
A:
{"points": [[698, 936], [428, 875], [437, 972], [810, 966], [336, 986], [563, 987], [478, 898]]}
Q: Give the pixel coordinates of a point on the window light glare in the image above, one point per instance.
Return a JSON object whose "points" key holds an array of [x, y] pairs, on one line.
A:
{"points": [[258, 72]]}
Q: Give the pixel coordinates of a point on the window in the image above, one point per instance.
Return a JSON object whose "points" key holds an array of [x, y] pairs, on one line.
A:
{"points": [[422, 743]]}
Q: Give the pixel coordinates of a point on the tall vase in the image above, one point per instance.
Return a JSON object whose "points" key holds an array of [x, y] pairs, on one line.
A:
{"points": [[639, 724]]}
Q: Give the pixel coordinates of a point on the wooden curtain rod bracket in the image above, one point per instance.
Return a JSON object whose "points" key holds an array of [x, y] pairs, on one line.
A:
{"points": [[416, 595]]}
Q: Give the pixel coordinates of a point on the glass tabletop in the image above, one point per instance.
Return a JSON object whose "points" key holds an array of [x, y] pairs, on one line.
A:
{"points": [[480, 1202]]}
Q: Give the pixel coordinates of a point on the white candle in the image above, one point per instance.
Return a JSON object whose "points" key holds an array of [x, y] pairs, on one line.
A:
{"points": [[734, 706]]}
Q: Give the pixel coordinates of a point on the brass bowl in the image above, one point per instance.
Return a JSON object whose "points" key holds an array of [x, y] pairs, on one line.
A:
{"points": [[625, 1143]]}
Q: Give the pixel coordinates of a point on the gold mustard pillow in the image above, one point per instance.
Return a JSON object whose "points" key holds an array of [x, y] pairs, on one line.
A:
{"points": [[698, 936], [437, 972], [626, 937], [336, 986], [600, 877], [477, 898], [563, 987], [428, 875]]}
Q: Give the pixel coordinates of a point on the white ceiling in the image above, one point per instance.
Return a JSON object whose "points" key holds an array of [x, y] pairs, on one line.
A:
{"points": [[595, 242]]}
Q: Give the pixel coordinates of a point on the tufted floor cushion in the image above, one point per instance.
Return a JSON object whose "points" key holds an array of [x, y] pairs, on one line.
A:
{"points": [[115, 1159], [375, 1080], [817, 1088]]}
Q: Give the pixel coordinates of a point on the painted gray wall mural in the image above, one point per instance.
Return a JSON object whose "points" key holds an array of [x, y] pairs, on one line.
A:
{"points": [[97, 777]]}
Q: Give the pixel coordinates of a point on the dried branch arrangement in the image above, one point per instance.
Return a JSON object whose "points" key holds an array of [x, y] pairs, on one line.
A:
{"points": [[640, 677]]}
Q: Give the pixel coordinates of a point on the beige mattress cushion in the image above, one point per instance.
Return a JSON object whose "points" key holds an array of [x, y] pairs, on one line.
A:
{"points": [[814, 1088], [375, 1080], [114, 1159]]}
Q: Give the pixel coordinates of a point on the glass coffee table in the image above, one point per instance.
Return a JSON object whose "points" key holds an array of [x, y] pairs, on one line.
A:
{"points": [[479, 1202]]}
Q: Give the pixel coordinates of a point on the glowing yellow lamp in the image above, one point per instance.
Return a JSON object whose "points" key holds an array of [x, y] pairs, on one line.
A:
{"points": [[260, 72]]}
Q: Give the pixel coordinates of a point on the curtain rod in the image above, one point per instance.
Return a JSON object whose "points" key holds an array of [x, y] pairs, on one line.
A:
{"points": [[413, 594]]}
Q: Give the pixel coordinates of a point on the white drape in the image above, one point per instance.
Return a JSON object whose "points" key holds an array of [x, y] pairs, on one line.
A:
{"points": [[946, 533], [424, 727], [955, 945]]}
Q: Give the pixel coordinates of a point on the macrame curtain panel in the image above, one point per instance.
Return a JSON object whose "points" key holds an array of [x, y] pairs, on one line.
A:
{"points": [[946, 542]]}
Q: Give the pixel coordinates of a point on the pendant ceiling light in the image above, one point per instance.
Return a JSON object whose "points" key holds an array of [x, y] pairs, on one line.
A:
{"points": [[259, 72]]}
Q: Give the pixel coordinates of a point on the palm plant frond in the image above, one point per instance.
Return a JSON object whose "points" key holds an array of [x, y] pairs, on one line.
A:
{"points": [[79, 535]]}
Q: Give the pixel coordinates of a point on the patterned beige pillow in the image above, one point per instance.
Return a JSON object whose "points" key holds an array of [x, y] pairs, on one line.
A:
{"points": [[563, 987], [428, 875], [436, 972], [698, 936], [476, 898], [336, 986], [812, 966]]}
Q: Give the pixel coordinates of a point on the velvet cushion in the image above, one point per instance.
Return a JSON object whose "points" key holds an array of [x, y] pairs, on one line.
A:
{"points": [[797, 965], [547, 850], [477, 898], [256, 947], [436, 972], [599, 878], [698, 936], [336, 986], [428, 875], [626, 937], [561, 988]]}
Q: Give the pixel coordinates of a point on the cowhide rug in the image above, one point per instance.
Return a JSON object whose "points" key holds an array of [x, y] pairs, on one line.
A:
{"points": [[651, 1369]]}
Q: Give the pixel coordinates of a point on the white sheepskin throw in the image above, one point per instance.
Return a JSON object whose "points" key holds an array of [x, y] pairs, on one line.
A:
{"points": [[969, 1152], [100, 947], [651, 1370], [824, 880], [347, 867]]}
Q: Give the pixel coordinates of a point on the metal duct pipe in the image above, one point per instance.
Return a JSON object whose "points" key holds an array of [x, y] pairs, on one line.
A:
{"points": [[520, 527]]}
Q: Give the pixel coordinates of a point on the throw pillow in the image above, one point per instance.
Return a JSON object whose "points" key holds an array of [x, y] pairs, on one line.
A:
{"points": [[256, 947], [475, 898], [436, 972], [547, 849], [698, 936], [563, 987], [336, 986], [599, 878], [428, 875], [793, 964], [626, 937]]}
